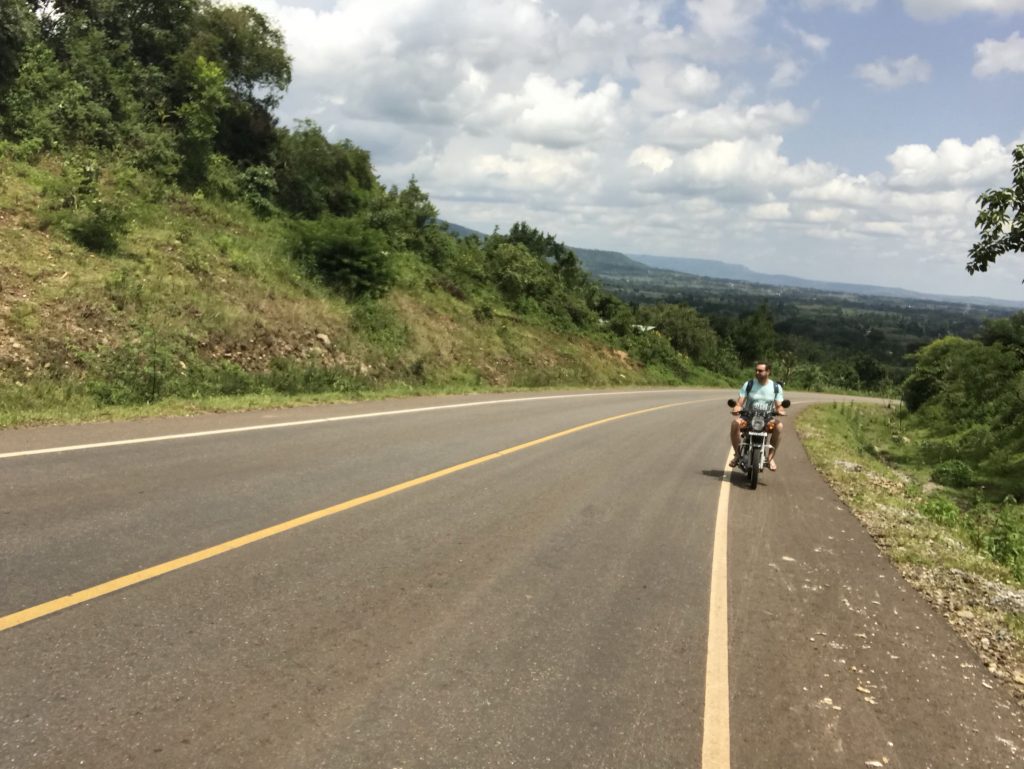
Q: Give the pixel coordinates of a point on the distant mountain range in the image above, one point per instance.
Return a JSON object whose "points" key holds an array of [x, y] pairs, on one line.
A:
{"points": [[617, 264]]}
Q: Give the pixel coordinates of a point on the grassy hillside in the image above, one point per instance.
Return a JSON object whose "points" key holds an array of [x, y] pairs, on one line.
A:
{"points": [[202, 304]]}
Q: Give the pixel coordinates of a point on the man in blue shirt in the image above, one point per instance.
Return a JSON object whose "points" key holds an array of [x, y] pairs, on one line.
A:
{"points": [[761, 389]]}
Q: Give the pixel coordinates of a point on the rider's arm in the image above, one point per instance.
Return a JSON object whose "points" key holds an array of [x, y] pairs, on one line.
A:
{"points": [[779, 409], [739, 405]]}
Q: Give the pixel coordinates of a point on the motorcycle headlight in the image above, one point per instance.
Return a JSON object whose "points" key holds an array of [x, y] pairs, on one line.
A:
{"points": [[757, 423]]}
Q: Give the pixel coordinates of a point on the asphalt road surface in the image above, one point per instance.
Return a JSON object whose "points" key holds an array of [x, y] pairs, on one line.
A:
{"points": [[565, 581]]}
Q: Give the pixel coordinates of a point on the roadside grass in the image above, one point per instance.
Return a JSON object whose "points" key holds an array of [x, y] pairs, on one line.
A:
{"points": [[958, 548]]}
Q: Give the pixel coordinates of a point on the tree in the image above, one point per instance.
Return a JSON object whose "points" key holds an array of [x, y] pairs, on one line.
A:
{"points": [[690, 333], [1008, 332], [754, 335], [198, 119], [315, 177], [15, 34], [257, 71], [1000, 219]]}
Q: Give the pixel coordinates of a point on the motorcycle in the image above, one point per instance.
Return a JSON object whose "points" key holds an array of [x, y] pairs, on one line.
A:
{"points": [[757, 423]]}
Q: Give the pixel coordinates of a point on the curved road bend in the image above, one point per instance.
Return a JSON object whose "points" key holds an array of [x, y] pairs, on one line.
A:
{"points": [[505, 602]]}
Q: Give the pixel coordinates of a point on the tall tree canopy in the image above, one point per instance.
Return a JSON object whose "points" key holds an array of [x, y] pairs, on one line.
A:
{"points": [[143, 74], [15, 34]]}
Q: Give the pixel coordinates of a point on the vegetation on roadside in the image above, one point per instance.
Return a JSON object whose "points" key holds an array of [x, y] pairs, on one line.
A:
{"points": [[204, 302], [947, 526]]}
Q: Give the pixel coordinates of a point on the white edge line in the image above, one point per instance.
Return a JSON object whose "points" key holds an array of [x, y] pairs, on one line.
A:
{"points": [[250, 428]]}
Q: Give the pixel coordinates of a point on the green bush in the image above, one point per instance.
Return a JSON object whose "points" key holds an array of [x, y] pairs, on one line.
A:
{"points": [[653, 349], [346, 254], [100, 225], [258, 188], [954, 473], [519, 274]]}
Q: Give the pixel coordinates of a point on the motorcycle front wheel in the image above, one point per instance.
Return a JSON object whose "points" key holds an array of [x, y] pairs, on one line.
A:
{"points": [[755, 467]]}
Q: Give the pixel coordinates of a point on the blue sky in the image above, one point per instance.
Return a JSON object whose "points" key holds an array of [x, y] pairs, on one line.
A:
{"points": [[831, 139]]}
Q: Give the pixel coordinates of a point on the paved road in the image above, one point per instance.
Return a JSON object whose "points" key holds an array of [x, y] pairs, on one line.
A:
{"points": [[519, 603]]}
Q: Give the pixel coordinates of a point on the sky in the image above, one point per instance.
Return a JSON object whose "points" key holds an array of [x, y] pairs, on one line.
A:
{"points": [[843, 140]]}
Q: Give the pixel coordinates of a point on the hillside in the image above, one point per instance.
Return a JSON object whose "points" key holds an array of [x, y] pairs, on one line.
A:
{"points": [[203, 300]]}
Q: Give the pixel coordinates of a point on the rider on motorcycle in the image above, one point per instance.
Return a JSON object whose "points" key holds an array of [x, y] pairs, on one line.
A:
{"points": [[764, 390]]}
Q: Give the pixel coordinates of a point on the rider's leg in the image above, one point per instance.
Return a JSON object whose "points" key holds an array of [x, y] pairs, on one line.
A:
{"points": [[776, 438], [734, 434]]}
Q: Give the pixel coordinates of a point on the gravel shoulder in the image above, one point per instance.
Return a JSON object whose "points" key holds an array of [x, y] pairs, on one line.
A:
{"points": [[979, 600]]}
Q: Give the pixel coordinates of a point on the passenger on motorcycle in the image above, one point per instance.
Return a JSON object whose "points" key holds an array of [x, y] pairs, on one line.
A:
{"points": [[765, 390]]}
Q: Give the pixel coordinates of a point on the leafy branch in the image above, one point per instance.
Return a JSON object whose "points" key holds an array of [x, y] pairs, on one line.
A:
{"points": [[1001, 232]]}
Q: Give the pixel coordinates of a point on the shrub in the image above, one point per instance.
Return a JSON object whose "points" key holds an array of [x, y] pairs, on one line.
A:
{"points": [[653, 349], [100, 225], [346, 254], [954, 473], [258, 189]]}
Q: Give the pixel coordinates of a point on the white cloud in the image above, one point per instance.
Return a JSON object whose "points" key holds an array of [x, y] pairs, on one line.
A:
{"points": [[748, 165], [694, 81], [724, 19], [770, 211], [851, 5], [472, 168], [663, 85], [952, 164], [556, 115], [816, 43], [994, 56], [687, 128], [889, 73], [825, 214], [895, 229], [787, 73], [657, 159], [588, 26], [930, 10], [845, 190]]}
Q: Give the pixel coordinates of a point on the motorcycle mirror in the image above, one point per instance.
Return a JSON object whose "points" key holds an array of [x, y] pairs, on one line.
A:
{"points": [[785, 403], [731, 402]]}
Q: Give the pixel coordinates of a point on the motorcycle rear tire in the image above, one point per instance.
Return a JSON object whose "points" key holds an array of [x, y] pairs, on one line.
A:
{"points": [[755, 467]]}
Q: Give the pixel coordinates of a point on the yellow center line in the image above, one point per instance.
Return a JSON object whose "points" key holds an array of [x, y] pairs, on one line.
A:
{"points": [[120, 583], [715, 750]]}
